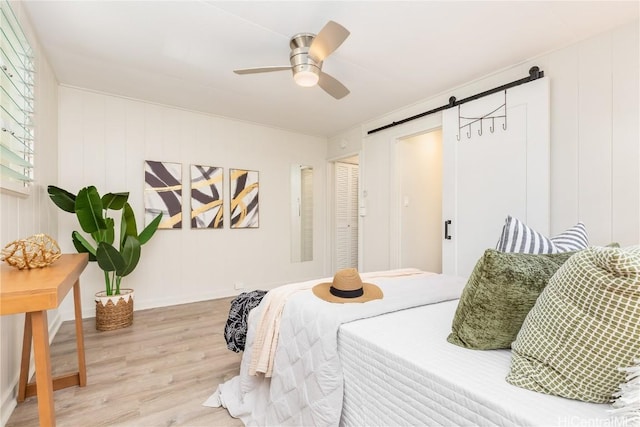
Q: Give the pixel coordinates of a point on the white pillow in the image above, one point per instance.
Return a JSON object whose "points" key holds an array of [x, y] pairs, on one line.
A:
{"points": [[518, 237]]}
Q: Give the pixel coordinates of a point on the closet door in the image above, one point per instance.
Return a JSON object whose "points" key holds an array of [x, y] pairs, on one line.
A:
{"points": [[346, 220], [489, 176], [306, 214]]}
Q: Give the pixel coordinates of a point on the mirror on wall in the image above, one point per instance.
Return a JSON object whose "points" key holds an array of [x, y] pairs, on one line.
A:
{"points": [[301, 213]]}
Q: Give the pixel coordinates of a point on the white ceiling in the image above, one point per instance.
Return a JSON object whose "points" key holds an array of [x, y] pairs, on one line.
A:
{"points": [[182, 53]]}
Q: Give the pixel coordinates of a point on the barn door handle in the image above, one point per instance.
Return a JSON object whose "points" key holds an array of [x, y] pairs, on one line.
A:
{"points": [[447, 223]]}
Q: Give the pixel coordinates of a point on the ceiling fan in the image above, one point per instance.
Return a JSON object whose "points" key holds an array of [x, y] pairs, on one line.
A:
{"points": [[308, 51]]}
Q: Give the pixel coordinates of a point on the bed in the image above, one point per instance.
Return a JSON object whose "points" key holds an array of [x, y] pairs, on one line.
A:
{"points": [[387, 362], [411, 375]]}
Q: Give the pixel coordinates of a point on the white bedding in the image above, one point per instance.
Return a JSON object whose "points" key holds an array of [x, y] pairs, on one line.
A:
{"points": [[306, 387], [400, 370]]}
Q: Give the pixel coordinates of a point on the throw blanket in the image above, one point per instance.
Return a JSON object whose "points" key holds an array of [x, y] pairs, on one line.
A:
{"points": [[306, 387], [235, 330], [266, 340]]}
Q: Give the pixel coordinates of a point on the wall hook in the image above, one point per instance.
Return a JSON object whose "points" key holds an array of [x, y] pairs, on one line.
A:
{"points": [[493, 122], [480, 130]]}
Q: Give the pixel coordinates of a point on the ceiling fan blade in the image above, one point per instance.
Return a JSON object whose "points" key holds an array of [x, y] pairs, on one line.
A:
{"points": [[263, 69], [332, 86], [328, 39]]}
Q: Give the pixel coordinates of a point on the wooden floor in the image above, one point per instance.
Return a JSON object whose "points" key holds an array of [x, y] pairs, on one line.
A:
{"points": [[154, 373]]}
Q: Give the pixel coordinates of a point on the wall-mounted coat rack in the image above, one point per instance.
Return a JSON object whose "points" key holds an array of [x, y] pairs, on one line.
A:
{"points": [[534, 74], [498, 113]]}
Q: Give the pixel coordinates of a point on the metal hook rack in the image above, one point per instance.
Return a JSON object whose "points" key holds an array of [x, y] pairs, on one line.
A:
{"points": [[498, 113]]}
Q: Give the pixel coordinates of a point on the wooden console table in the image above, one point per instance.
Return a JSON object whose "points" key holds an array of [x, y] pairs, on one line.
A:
{"points": [[33, 292]]}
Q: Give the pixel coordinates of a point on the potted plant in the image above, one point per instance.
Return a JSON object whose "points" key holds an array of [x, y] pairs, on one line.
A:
{"points": [[117, 259]]}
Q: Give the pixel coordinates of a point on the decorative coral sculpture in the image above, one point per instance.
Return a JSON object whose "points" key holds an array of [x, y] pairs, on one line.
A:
{"points": [[37, 251]]}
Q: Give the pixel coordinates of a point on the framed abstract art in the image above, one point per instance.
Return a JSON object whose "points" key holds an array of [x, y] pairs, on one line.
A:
{"points": [[163, 193], [244, 192], [206, 197]]}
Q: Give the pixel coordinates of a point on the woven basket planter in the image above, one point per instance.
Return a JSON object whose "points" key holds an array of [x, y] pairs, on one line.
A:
{"points": [[114, 312]]}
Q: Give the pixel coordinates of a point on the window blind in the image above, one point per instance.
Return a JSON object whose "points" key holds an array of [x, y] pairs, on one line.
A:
{"points": [[16, 103]]}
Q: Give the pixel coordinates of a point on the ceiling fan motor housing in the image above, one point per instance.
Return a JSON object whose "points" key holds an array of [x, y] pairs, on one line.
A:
{"points": [[300, 60]]}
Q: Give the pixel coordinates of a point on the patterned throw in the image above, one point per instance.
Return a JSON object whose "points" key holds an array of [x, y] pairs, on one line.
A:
{"points": [[518, 237], [584, 327], [235, 331]]}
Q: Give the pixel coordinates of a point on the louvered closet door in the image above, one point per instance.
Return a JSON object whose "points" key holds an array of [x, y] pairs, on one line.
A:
{"points": [[306, 214], [346, 191], [487, 177]]}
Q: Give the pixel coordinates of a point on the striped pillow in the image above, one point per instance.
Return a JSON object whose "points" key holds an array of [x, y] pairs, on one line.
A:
{"points": [[518, 237]]}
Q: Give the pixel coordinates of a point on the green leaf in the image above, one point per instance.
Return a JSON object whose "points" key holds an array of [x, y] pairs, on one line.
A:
{"points": [[89, 210], [82, 245], [109, 259], [114, 201], [128, 226], [131, 255], [62, 198], [109, 232], [149, 230]]}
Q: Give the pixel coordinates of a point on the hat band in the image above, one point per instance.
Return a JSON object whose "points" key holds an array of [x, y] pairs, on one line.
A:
{"points": [[346, 294]]}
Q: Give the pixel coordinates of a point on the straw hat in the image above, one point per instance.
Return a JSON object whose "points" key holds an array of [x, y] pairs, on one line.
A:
{"points": [[347, 287]]}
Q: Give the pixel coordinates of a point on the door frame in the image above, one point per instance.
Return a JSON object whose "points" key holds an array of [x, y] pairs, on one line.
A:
{"points": [[399, 194], [422, 126], [331, 206]]}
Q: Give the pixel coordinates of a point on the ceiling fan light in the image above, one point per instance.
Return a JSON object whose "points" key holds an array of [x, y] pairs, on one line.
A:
{"points": [[306, 78]]}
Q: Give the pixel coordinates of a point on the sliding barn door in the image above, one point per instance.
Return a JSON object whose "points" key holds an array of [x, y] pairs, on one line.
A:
{"points": [[490, 172]]}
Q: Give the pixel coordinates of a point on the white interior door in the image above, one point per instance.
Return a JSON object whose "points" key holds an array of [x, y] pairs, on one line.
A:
{"points": [[346, 220], [487, 177]]}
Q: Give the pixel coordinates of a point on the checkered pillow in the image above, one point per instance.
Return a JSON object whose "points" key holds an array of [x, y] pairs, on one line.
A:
{"points": [[518, 237], [584, 326]]}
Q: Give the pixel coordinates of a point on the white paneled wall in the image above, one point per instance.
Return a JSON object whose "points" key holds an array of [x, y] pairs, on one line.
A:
{"points": [[595, 138], [595, 143], [25, 216], [104, 141]]}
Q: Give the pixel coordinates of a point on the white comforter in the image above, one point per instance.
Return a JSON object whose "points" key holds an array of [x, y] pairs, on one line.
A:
{"points": [[306, 388]]}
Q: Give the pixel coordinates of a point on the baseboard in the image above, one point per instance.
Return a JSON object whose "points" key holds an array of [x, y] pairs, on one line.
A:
{"points": [[8, 405], [9, 401], [139, 304]]}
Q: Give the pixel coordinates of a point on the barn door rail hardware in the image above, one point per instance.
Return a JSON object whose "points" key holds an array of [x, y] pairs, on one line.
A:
{"points": [[535, 73]]}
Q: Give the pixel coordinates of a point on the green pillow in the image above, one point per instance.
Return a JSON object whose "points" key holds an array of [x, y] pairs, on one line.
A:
{"points": [[501, 290], [584, 327]]}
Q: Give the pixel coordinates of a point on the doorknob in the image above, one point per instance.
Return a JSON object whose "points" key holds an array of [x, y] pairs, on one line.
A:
{"points": [[447, 223]]}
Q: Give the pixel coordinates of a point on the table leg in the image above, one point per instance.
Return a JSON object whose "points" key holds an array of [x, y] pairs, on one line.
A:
{"points": [[82, 365], [46, 409], [26, 358]]}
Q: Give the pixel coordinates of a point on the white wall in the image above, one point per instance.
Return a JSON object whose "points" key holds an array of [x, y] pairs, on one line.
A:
{"points": [[25, 216], [104, 141], [595, 143]]}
